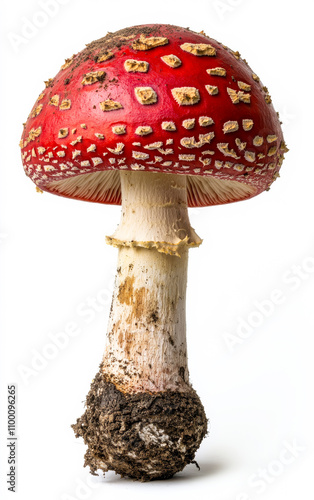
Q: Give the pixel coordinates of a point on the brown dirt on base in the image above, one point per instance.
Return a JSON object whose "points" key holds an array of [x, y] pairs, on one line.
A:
{"points": [[143, 436]]}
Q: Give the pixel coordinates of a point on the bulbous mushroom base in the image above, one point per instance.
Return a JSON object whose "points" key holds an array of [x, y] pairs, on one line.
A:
{"points": [[143, 436]]}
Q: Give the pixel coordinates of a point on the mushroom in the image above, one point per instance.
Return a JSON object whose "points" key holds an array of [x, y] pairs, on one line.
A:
{"points": [[156, 118]]}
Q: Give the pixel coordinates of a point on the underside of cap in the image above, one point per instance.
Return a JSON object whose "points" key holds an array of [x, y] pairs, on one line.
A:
{"points": [[105, 187]]}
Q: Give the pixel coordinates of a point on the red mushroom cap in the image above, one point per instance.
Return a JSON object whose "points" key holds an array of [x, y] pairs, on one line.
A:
{"points": [[154, 98]]}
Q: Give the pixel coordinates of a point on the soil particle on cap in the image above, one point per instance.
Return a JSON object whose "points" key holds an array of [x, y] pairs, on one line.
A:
{"points": [[143, 436], [99, 49]]}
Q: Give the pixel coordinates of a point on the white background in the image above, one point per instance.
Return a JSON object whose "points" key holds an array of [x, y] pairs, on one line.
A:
{"points": [[56, 269]]}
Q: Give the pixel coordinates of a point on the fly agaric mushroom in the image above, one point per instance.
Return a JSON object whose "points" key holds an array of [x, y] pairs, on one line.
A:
{"points": [[156, 118]]}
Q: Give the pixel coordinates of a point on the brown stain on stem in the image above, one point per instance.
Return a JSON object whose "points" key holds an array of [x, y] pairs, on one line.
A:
{"points": [[134, 297]]}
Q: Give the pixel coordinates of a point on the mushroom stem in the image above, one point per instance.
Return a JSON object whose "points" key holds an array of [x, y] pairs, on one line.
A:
{"points": [[154, 213], [146, 339], [143, 419]]}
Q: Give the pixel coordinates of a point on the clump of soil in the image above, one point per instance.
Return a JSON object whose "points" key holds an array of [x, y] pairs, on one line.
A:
{"points": [[143, 436]]}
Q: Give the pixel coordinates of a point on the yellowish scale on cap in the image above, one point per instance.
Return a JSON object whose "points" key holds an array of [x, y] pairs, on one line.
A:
{"points": [[217, 71], [37, 110], [118, 150], [154, 145], [247, 124], [78, 139], [283, 147], [54, 100], [187, 158], [272, 151], [165, 151], [186, 96], [258, 140], [63, 132], [191, 142], [268, 99], [189, 123], [136, 166], [236, 54], [76, 153], [148, 43], [205, 161], [170, 126], [40, 96], [49, 168], [244, 86], [230, 126], [271, 138], [205, 121], [67, 63], [145, 95], [212, 89], [131, 65], [140, 156], [110, 105], [38, 190], [228, 164], [96, 161], [241, 145], [249, 156], [104, 57], [172, 60], [239, 167], [93, 77], [32, 135], [65, 104], [49, 82], [239, 96], [224, 149], [143, 130], [119, 129], [199, 49]]}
